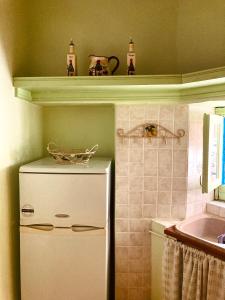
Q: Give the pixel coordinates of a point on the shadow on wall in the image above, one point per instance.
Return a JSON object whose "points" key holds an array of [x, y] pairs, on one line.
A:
{"points": [[20, 135], [12, 35], [9, 221], [7, 34]]}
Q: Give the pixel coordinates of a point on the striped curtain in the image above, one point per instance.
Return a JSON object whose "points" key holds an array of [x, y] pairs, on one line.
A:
{"points": [[190, 274]]}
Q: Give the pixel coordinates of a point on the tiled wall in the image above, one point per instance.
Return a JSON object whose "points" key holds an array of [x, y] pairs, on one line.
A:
{"points": [[151, 181]]}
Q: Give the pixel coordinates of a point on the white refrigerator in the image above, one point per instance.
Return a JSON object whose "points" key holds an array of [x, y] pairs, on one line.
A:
{"points": [[64, 230]]}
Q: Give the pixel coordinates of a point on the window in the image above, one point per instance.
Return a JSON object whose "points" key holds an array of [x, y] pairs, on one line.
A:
{"points": [[220, 191], [212, 152]]}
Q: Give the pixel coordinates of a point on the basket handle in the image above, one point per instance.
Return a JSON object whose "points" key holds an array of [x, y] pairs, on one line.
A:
{"points": [[94, 148], [49, 148]]}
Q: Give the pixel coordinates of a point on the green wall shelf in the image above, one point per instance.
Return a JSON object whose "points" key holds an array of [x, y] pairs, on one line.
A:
{"points": [[183, 88]]}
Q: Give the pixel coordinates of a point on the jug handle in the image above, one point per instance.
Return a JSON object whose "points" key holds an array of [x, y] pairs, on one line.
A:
{"points": [[117, 63]]}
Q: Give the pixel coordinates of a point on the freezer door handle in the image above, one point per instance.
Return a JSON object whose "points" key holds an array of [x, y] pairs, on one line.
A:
{"points": [[44, 227], [62, 216], [82, 228]]}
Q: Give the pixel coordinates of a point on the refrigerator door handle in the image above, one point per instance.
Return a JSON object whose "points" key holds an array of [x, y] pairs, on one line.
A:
{"points": [[83, 228], [44, 227]]}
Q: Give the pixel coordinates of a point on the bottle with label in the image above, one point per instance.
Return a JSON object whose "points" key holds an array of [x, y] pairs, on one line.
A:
{"points": [[71, 60], [131, 59]]}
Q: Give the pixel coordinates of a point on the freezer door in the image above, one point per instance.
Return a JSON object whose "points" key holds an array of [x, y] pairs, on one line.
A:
{"points": [[62, 264], [64, 199]]}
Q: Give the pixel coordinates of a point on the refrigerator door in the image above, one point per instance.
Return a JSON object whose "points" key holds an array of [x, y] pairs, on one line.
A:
{"points": [[63, 264], [64, 199]]}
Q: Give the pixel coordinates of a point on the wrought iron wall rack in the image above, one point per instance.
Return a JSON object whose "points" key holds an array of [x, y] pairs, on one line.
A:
{"points": [[151, 130]]}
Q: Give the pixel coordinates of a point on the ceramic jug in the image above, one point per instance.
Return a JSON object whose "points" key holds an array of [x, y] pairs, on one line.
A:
{"points": [[99, 65]]}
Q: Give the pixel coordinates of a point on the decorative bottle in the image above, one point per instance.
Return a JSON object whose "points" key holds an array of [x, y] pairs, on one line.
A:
{"points": [[131, 59], [71, 60]]}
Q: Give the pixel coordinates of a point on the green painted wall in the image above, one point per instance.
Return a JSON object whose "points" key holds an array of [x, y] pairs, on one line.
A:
{"points": [[171, 36], [81, 127], [21, 141], [103, 28], [200, 35]]}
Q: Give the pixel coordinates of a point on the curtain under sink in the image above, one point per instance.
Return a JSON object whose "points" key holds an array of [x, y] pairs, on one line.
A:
{"points": [[190, 274]]}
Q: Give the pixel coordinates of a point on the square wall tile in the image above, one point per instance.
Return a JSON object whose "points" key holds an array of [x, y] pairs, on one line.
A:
{"points": [[149, 211], [136, 169], [123, 124], [122, 253], [152, 112], [147, 244], [164, 183], [165, 163], [150, 197], [137, 112], [136, 183], [122, 168], [122, 197], [122, 280], [136, 266], [121, 143], [165, 197], [121, 183], [121, 211], [178, 211], [163, 211], [147, 279], [122, 225], [150, 162], [122, 112], [138, 225], [136, 239], [179, 184], [122, 239], [150, 183], [179, 197], [135, 211], [136, 155], [147, 265], [135, 197], [181, 114], [122, 294], [166, 112], [135, 280], [122, 155], [180, 163], [136, 142], [135, 294], [135, 252]]}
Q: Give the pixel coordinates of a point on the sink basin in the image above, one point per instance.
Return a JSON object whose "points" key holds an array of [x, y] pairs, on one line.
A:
{"points": [[205, 227], [200, 232]]}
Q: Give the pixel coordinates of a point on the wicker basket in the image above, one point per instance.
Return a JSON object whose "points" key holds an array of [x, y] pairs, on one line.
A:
{"points": [[74, 156]]}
